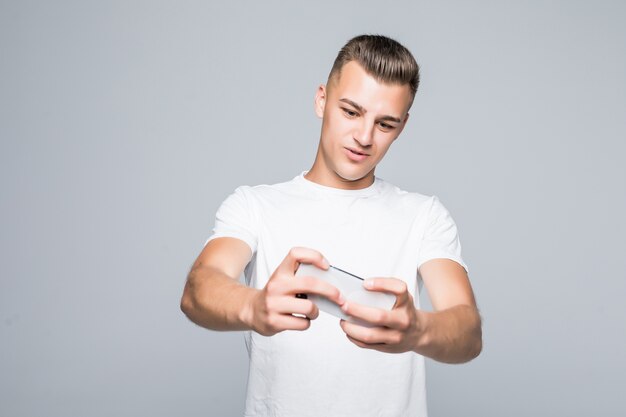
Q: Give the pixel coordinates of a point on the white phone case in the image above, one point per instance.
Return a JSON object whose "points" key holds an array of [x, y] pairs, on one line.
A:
{"points": [[350, 286]]}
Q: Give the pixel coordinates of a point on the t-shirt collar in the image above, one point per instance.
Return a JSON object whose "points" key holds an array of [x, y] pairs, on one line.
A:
{"points": [[363, 192]]}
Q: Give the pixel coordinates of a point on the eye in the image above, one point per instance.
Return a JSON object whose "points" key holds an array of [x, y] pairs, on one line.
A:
{"points": [[385, 126], [349, 113]]}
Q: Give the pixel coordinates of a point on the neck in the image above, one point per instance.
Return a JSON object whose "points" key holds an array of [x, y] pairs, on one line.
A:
{"points": [[330, 178]]}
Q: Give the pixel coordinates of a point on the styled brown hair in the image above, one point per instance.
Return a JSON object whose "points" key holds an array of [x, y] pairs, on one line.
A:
{"points": [[383, 58]]}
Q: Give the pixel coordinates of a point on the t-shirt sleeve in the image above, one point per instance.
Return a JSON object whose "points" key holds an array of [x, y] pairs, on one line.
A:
{"points": [[234, 218], [441, 238]]}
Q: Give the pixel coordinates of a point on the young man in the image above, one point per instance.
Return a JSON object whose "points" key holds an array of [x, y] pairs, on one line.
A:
{"points": [[339, 211]]}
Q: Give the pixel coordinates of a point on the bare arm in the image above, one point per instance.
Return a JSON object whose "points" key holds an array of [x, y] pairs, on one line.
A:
{"points": [[452, 333], [213, 297]]}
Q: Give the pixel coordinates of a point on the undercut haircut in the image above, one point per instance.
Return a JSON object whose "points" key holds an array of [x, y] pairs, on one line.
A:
{"points": [[381, 57]]}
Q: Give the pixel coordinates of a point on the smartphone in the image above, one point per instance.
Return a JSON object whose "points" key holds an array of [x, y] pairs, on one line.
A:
{"points": [[350, 286]]}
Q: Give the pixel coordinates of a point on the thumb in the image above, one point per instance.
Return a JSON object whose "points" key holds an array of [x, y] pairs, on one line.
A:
{"points": [[300, 255]]}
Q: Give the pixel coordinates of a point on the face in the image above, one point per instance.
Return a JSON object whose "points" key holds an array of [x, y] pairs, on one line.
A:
{"points": [[360, 120]]}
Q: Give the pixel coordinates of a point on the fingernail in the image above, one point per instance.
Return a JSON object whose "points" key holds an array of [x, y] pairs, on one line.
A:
{"points": [[368, 283], [325, 261], [342, 299]]}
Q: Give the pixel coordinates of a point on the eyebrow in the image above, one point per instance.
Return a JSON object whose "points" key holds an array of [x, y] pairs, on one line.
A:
{"points": [[362, 110]]}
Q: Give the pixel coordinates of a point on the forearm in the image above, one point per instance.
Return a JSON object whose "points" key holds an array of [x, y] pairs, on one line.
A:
{"points": [[216, 301], [453, 335]]}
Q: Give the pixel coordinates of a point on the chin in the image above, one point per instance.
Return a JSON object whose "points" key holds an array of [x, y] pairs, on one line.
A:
{"points": [[351, 175]]}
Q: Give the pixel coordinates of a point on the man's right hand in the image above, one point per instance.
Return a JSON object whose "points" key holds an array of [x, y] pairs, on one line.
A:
{"points": [[271, 309]]}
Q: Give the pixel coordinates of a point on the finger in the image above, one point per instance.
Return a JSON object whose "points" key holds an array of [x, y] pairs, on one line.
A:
{"points": [[372, 315], [366, 335], [299, 255], [394, 319], [379, 346], [389, 285], [302, 285], [311, 285], [292, 305], [359, 343], [289, 322]]}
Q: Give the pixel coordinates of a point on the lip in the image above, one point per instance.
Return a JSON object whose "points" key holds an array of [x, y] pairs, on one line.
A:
{"points": [[353, 156]]}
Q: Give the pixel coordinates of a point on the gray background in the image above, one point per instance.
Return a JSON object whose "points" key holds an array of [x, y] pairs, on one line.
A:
{"points": [[125, 124]]}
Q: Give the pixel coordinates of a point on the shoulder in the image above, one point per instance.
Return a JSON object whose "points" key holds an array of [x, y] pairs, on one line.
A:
{"points": [[421, 205], [263, 192], [409, 198]]}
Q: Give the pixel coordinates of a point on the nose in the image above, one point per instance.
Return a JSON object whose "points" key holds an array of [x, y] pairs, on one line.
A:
{"points": [[364, 133]]}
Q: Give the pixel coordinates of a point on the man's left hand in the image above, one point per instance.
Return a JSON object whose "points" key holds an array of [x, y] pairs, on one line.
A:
{"points": [[395, 331]]}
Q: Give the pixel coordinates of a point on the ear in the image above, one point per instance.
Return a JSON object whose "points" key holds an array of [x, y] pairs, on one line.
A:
{"points": [[320, 100]]}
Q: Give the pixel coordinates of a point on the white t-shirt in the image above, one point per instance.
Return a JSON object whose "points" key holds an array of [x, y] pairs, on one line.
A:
{"points": [[378, 231]]}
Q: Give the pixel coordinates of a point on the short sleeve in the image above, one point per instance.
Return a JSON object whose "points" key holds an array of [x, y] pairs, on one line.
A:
{"points": [[234, 218], [441, 238]]}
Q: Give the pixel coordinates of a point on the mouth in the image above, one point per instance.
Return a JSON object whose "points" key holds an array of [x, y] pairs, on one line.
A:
{"points": [[355, 155], [357, 152]]}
